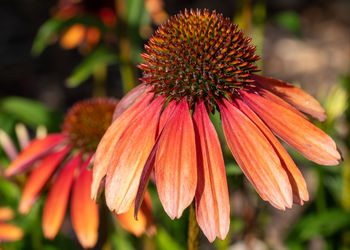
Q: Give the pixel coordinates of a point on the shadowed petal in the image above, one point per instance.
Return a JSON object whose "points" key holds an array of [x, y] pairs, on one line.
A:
{"points": [[129, 157], [39, 177], [10, 232], [106, 146], [293, 95], [36, 149], [256, 157], [175, 163], [57, 199], [300, 193], [302, 135], [84, 211], [129, 99], [147, 170], [212, 200], [144, 223]]}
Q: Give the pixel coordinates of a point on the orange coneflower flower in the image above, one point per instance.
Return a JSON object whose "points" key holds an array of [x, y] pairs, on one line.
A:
{"points": [[199, 63], [69, 154], [8, 232]]}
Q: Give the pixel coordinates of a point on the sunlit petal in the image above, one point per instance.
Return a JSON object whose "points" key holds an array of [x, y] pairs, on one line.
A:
{"points": [[175, 163], [212, 199], [256, 157], [129, 157], [293, 95], [302, 135]]}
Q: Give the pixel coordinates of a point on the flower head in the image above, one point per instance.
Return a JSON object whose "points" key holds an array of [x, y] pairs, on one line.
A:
{"points": [[199, 63], [65, 157]]}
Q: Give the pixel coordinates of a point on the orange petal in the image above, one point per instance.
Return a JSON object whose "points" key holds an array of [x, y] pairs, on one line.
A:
{"points": [[300, 193], [57, 199], [268, 95], [212, 200], [302, 135], [143, 224], [175, 163], [10, 232], [39, 177], [147, 170], [36, 149], [106, 146], [293, 95], [6, 214], [84, 211], [129, 99], [256, 157], [129, 157]]}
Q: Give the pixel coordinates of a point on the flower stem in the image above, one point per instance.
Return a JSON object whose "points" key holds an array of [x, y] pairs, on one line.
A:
{"points": [[193, 230]]}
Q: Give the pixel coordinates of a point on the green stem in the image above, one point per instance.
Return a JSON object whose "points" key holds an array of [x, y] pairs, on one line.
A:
{"points": [[193, 230]]}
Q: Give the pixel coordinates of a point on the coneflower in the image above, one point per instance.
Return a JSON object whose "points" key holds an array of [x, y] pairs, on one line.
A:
{"points": [[199, 63]]}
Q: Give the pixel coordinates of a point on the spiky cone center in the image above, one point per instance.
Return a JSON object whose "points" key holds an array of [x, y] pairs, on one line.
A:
{"points": [[198, 55], [87, 121]]}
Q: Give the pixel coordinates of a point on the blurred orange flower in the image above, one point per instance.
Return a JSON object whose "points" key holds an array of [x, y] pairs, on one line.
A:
{"points": [[8, 232]]}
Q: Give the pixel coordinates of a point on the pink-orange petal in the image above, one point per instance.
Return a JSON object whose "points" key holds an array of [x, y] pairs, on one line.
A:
{"points": [[147, 170], [9, 232], [300, 193], [36, 149], [57, 199], [299, 133], [256, 157], [39, 177], [129, 157], [129, 99], [6, 213], [293, 95], [84, 211], [144, 223], [106, 146], [212, 198], [175, 163]]}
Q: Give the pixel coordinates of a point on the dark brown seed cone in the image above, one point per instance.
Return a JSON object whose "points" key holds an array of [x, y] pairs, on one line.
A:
{"points": [[87, 121], [198, 55]]}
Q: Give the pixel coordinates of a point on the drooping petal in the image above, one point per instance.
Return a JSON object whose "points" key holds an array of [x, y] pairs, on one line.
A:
{"points": [[39, 177], [300, 193], [106, 146], [9, 232], [57, 199], [6, 213], [268, 95], [84, 211], [175, 163], [293, 95], [129, 99], [147, 170], [129, 157], [36, 149], [256, 157], [212, 199], [302, 135], [143, 224]]}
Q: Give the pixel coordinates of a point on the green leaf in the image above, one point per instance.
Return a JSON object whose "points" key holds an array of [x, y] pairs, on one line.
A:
{"points": [[322, 224], [233, 169], [32, 113], [101, 56], [45, 33]]}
